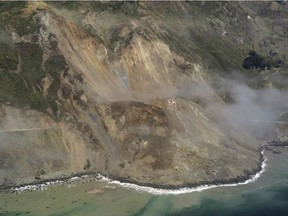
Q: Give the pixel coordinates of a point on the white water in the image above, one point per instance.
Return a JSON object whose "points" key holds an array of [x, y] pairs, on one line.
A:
{"points": [[45, 185], [151, 190], [157, 191]]}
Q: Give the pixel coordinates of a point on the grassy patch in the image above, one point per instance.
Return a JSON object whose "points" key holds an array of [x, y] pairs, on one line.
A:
{"points": [[8, 52], [9, 5], [54, 65], [20, 89], [14, 91], [31, 62], [124, 7], [10, 14], [8, 57]]}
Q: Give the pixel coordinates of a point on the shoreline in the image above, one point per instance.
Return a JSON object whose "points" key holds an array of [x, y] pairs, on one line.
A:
{"points": [[189, 188], [155, 189], [148, 188]]}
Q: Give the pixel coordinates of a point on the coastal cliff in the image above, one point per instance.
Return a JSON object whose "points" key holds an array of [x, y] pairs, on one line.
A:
{"points": [[134, 90]]}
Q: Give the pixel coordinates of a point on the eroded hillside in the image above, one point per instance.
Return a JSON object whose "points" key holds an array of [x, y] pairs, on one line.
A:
{"points": [[126, 89]]}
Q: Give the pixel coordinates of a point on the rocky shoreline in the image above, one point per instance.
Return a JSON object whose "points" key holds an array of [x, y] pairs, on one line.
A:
{"points": [[40, 184], [90, 176], [43, 184], [238, 180]]}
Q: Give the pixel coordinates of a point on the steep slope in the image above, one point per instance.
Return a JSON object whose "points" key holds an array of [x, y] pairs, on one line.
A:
{"points": [[125, 89]]}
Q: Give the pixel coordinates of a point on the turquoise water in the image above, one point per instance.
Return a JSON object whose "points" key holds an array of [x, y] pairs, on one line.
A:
{"points": [[267, 196]]}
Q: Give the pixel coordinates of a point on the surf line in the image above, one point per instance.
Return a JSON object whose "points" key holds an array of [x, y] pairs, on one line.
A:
{"points": [[146, 189], [184, 190]]}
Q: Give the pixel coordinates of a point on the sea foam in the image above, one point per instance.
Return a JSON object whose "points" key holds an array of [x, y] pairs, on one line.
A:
{"points": [[155, 191]]}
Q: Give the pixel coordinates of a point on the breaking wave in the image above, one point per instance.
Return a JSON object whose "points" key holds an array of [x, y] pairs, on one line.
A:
{"points": [[155, 191]]}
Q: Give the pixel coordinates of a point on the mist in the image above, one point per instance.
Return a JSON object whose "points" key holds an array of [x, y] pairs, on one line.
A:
{"points": [[255, 111], [5, 38]]}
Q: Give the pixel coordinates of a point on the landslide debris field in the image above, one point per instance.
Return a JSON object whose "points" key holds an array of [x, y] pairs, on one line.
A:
{"points": [[159, 93]]}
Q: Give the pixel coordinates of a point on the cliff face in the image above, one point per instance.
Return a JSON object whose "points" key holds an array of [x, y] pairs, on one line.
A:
{"points": [[126, 88]]}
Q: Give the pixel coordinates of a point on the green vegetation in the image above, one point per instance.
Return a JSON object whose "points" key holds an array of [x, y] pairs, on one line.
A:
{"points": [[254, 60], [8, 57], [25, 26], [9, 5], [9, 15], [20, 89], [8, 54], [31, 62], [124, 7], [54, 65], [17, 88], [23, 88], [128, 8], [13, 90]]}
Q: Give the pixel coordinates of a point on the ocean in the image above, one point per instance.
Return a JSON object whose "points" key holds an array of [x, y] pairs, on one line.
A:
{"points": [[268, 195]]}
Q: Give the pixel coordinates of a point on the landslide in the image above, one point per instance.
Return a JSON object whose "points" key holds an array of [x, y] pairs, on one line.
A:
{"points": [[106, 85]]}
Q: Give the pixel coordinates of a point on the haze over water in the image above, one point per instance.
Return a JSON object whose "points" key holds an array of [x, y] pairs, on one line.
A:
{"points": [[267, 196]]}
